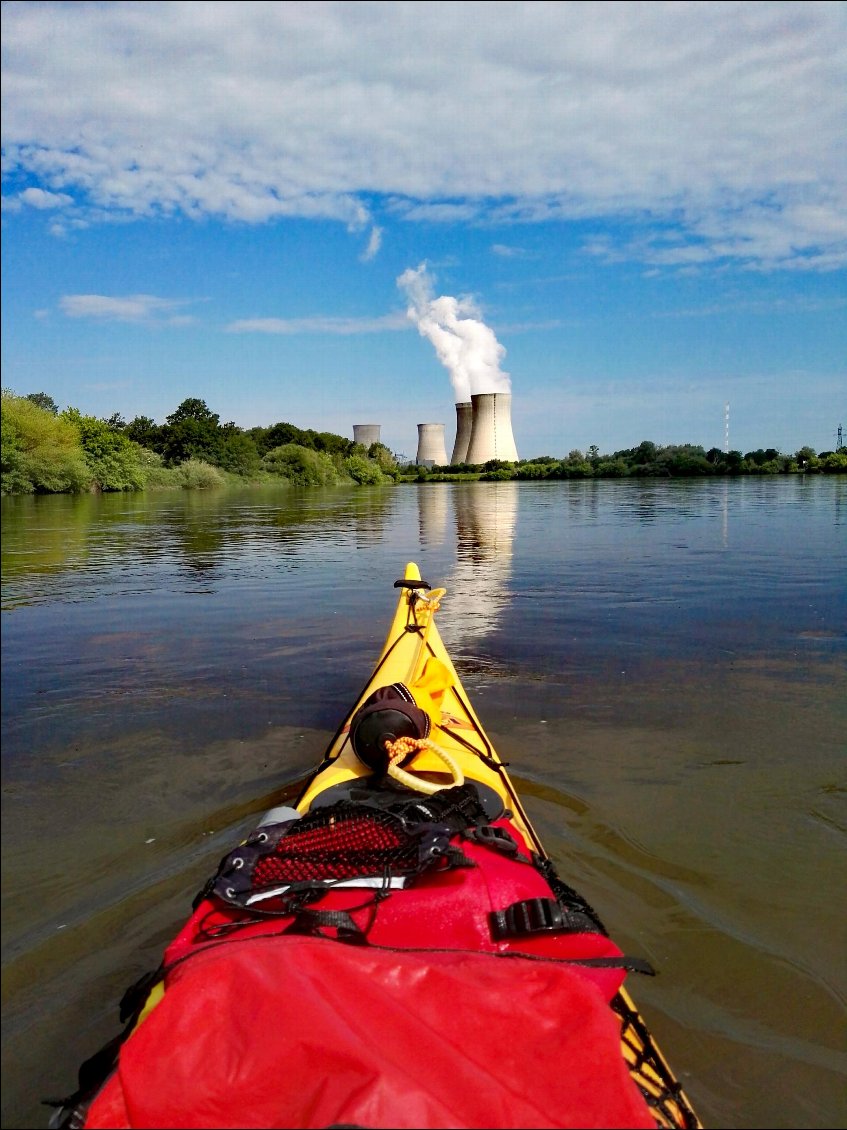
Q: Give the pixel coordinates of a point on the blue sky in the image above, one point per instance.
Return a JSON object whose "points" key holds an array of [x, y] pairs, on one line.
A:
{"points": [[642, 204]]}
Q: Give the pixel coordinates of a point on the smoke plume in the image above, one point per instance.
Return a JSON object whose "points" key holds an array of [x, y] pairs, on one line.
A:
{"points": [[465, 346]]}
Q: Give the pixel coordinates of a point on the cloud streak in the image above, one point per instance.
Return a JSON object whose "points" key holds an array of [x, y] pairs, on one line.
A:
{"points": [[319, 325], [142, 308], [723, 120]]}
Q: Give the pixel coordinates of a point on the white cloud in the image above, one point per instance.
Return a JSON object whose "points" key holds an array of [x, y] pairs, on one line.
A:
{"points": [[724, 119], [39, 198], [131, 308], [507, 251], [320, 325], [374, 244]]}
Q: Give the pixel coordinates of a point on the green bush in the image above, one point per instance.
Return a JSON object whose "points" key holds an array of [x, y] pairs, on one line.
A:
{"points": [[364, 471], [156, 475], [41, 453], [114, 461], [383, 457], [194, 474], [611, 469], [534, 470], [301, 465], [239, 454], [834, 462]]}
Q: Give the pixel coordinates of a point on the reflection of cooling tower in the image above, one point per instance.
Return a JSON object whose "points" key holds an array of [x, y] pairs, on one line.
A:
{"points": [[464, 425], [478, 586], [431, 447], [433, 513], [366, 434], [491, 435]]}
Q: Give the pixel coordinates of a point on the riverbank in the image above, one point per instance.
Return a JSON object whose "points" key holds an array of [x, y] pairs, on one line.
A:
{"points": [[45, 451]]}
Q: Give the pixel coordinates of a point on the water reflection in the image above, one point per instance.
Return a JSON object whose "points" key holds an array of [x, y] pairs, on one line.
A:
{"points": [[585, 501], [725, 515], [478, 585], [433, 510], [840, 497], [77, 547]]}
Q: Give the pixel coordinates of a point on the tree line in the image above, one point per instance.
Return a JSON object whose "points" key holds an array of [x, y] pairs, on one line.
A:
{"points": [[649, 460], [48, 451]]}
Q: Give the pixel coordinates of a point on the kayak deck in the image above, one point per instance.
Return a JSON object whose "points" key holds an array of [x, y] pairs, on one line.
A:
{"points": [[548, 1038], [414, 654]]}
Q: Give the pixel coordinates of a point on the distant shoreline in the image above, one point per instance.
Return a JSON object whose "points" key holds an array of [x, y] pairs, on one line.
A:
{"points": [[45, 451]]}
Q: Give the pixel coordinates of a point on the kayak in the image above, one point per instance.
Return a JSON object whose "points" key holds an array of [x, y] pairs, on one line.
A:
{"points": [[391, 948]]}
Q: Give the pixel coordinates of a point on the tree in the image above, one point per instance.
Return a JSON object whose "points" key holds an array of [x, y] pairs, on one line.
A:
{"points": [[611, 468], [364, 471], [645, 452], [277, 435], [194, 409], [41, 452], [192, 432], [806, 459], [114, 461], [382, 455], [685, 459], [238, 453], [42, 400], [191, 438], [534, 470], [332, 444], [145, 431], [834, 462]]}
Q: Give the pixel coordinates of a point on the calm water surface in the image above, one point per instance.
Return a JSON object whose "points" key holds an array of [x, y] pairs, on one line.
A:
{"points": [[664, 665]]}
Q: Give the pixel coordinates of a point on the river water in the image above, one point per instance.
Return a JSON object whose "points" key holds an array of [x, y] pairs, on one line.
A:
{"points": [[663, 664]]}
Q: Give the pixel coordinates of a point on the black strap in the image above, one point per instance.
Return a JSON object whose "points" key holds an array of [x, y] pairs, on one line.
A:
{"points": [[315, 922], [537, 916]]}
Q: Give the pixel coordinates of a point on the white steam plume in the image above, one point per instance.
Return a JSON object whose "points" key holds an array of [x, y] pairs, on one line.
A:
{"points": [[465, 346]]}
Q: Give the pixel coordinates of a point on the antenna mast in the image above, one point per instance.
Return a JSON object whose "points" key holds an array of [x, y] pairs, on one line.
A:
{"points": [[726, 429]]}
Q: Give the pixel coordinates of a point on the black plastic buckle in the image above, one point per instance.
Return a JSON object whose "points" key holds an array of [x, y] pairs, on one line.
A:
{"points": [[531, 916], [493, 836]]}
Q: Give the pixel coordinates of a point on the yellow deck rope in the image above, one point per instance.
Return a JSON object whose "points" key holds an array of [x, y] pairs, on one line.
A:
{"points": [[432, 598], [401, 747]]}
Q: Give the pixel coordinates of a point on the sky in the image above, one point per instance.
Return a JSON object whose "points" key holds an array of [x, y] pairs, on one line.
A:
{"points": [[631, 215]]}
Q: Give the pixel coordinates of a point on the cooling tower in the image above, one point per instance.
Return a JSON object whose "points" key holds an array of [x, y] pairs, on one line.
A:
{"points": [[464, 425], [431, 447], [366, 434], [491, 434]]}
